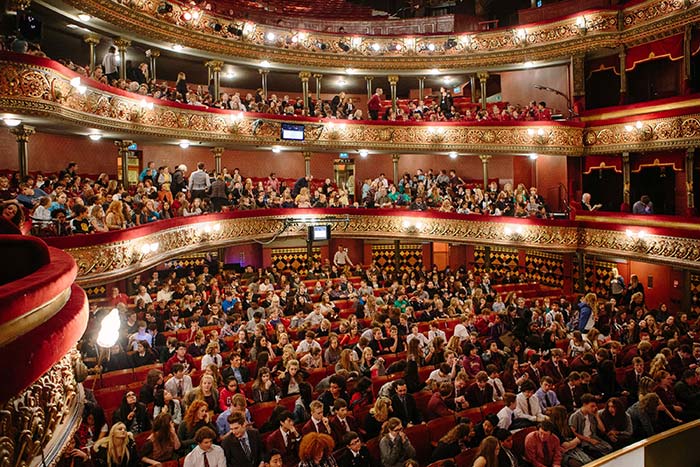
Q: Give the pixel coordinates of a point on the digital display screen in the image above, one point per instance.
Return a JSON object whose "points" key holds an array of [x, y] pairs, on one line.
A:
{"points": [[319, 233], [292, 132]]}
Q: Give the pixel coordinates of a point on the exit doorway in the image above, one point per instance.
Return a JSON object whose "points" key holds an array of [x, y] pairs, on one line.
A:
{"points": [[344, 174]]}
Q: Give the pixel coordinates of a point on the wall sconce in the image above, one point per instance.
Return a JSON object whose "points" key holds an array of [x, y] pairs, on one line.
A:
{"points": [[248, 29], [638, 239], [236, 121], [139, 112], [513, 231], [410, 44], [520, 36], [209, 228], [409, 225], [436, 133], [356, 42], [581, 24], [78, 86], [148, 248], [539, 136], [641, 130]]}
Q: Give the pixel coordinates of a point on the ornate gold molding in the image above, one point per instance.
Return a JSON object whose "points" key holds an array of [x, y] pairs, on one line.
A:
{"points": [[43, 417], [109, 261], [548, 41]]}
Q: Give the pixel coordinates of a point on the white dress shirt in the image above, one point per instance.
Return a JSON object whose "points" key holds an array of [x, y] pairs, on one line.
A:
{"points": [[215, 457]]}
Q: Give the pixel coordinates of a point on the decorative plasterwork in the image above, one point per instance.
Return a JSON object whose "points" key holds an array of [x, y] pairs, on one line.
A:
{"points": [[551, 40], [43, 417], [104, 262]]}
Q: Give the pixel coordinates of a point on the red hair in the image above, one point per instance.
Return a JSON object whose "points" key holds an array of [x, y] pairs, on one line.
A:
{"points": [[314, 442]]}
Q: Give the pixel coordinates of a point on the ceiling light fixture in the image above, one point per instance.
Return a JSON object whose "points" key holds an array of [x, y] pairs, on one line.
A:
{"points": [[95, 136], [84, 17], [184, 144], [11, 122], [453, 154], [276, 149], [363, 153], [177, 48], [265, 64]]}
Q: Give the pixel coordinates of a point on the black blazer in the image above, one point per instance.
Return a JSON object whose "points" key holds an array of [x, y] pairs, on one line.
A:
{"points": [[408, 414], [235, 456], [363, 459], [245, 374]]}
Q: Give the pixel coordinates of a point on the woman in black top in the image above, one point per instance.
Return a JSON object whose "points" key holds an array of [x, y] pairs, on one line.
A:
{"points": [[455, 441], [132, 414], [117, 449]]}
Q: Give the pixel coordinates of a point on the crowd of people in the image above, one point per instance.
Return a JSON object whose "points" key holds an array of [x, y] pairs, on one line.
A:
{"points": [[66, 203], [438, 108], [586, 377]]}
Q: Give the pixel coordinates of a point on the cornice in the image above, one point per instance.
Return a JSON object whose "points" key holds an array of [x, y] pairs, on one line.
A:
{"points": [[490, 49], [112, 256], [41, 87]]}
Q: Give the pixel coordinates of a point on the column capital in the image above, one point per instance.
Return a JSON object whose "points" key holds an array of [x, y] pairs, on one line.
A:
{"points": [[369, 78], [217, 151], [121, 44], [153, 53], [393, 79], [690, 152], [307, 155], [485, 158], [123, 145], [92, 39], [318, 75], [626, 157], [421, 78], [304, 76], [23, 132], [215, 65], [395, 158], [483, 75], [263, 71]]}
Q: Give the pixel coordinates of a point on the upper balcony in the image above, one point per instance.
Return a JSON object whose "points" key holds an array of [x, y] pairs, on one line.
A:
{"points": [[41, 91], [222, 36]]}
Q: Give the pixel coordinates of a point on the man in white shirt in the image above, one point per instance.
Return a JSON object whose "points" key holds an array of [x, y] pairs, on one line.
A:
{"points": [[341, 258], [206, 454], [143, 295], [308, 343], [461, 330], [527, 406], [109, 62], [417, 335], [506, 415], [435, 332], [494, 380], [315, 317]]}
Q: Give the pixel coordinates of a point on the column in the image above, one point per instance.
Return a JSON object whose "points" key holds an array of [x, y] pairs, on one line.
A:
{"points": [[483, 77], [304, 76], [687, 56], [533, 3], [487, 258], [318, 77], [214, 67], [689, 167], [217, 152], [121, 44], [623, 76], [263, 78], [472, 86], [370, 91], [485, 158], [152, 55], [307, 162], [124, 153], [393, 79], [579, 83], [626, 180], [421, 87], [22, 134], [395, 161], [581, 283], [397, 254], [92, 40]]}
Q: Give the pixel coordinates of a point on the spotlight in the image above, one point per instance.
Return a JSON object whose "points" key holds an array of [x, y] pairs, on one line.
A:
{"points": [[376, 47], [265, 64], [533, 156], [164, 8], [177, 47], [270, 36], [431, 47]]}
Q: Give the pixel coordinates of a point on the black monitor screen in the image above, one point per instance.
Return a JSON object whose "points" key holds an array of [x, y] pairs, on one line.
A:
{"points": [[293, 132]]}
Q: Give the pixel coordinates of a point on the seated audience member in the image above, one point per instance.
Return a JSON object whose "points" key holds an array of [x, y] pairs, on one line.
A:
{"points": [[133, 414], [644, 415], [342, 422], [687, 394], [355, 453], [545, 394], [394, 446], [568, 392], [506, 415], [376, 417], [206, 453], [116, 449], [316, 450], [285, 439], [584, 424], [528, 410], [196, 417], [455, 441], [480, 392], [614, 424], [437, 405], [163, 443], [336, 391], [404, 405], [542, 447], [487, 455], [236, 369], [242, 446], [318, 423]]}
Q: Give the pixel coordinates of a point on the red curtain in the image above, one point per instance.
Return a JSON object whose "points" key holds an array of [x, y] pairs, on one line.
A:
{"points": [[671, 47], [591, 163]]}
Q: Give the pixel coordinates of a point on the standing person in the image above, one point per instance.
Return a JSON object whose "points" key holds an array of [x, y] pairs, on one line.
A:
{"points": [[542, 448], [218, 193], [617, 285], [242, 446], [179, 181], [206, 454], [117, 449], [374, 105], [586, 317], [109, 63], [199, 182], [181, 86], [341, 259]]}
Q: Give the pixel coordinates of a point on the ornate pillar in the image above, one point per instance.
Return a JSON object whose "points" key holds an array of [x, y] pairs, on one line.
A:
{"points": [[579, 82], [395, 161], [307, 162], [152, 55], [687, 56], [397, 254], [626, 179], [214, 67], [472, 86], [22, 134], [318, 78], [263, 78], [124, 153], [581, 260], [483, 77], [623, 75], [217, 152], [485, 158], [369, 79], [92, 40], [689, 167], [421, 87], [304, 76], [122, 44], [393, 80]]}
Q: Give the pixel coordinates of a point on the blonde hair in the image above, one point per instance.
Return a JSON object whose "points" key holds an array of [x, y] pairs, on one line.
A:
{"points": [[115, 452]]}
